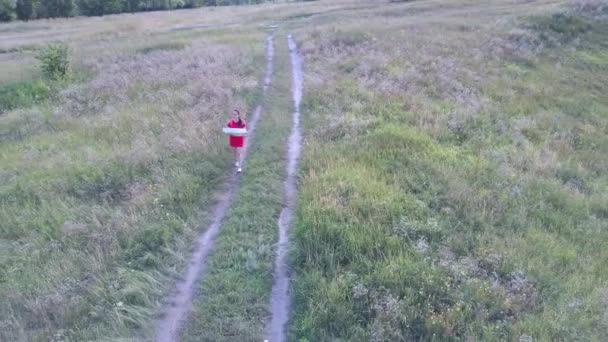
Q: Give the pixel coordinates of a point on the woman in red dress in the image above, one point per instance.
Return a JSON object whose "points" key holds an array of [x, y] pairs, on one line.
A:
{"points": [[237, 142]]}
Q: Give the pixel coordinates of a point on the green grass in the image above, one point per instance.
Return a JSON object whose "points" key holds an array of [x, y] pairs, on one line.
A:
{"points": [[99, 210], [68, 247], [452, 184], [488, 228], [22, 94], [233, 297]]}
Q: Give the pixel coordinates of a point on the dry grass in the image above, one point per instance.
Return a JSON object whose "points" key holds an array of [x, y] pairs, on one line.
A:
{"points": [[452, 184], [103, 185]]}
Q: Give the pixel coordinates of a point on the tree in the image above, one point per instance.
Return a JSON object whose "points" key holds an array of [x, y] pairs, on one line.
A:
{"points": [[132, 5], [7, 10], [54, 8], [40, 9], [91, 7], [25, 9], [28, 9], [101, 7], [59, 8], [114, 6]]}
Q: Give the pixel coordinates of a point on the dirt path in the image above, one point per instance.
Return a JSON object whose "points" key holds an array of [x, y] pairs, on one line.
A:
{"points": [[179, 302], [280, 301]]}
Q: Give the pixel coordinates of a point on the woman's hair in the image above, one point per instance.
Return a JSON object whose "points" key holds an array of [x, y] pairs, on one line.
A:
{"points": [[239, 115]]}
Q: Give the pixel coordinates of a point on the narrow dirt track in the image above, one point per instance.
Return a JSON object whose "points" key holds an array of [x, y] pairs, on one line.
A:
{"points": [[280, 300], [180, 301]]}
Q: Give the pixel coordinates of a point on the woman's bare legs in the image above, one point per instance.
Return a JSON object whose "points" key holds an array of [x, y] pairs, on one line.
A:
{"points": [[237, 157]]}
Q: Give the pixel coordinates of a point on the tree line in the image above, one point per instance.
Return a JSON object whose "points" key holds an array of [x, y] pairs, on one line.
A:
{"points": [[36, 9]]}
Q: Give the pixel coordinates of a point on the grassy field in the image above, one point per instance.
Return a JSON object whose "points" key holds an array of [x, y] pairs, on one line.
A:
{"points": [[234, 296], [452, 185], [454, 179], [104, 184]]}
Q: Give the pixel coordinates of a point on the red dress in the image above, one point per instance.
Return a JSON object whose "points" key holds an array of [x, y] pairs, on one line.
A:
{"points": [[234, 140]]}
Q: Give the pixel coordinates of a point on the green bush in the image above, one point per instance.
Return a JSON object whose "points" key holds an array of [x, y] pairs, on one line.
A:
{"points": [[567, 24], [55, 62], [22, 94], [562, 26]]}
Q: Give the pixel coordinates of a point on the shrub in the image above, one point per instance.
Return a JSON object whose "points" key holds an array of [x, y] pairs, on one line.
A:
{"points": [[22, 94], [55, 62], [567, 24], [562, 26]]}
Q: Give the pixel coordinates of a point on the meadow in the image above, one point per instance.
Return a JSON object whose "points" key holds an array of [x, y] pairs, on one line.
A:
{"points": [[452, 184], [103, 181]]}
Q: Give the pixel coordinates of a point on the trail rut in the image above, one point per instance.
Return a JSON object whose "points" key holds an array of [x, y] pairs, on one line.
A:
{"points": [[179, 303], [280, 301]]}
